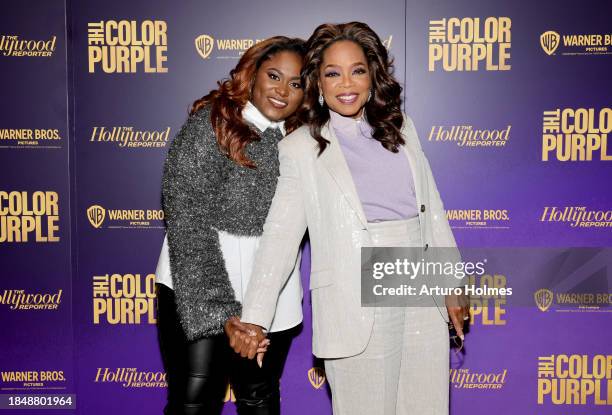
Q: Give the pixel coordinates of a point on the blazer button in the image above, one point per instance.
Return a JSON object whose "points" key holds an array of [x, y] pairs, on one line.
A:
{"points": [[422, 208]]}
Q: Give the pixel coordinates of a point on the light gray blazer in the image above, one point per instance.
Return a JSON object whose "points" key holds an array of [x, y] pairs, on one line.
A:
{"points": [[318, 194]]}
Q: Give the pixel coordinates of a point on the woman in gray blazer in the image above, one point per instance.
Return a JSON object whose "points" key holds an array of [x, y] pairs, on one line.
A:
{"points": [[356, 176]]}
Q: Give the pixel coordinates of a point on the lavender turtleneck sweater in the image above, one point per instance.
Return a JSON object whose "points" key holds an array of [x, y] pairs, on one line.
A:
{"points": [[383, 179]]}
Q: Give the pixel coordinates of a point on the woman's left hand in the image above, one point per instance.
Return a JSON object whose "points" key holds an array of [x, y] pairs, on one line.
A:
{"points": [[246, 339]]}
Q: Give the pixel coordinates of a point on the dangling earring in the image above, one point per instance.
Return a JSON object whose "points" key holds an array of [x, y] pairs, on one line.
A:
{"points": [[321, 100], [369, 96]]}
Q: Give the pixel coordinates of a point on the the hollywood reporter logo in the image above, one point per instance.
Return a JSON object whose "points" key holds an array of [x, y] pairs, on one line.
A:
{"points": [[131, 377], [130, 137], [12, 45], [23, 300], [577, 216], [465, 378], [468, 136]]}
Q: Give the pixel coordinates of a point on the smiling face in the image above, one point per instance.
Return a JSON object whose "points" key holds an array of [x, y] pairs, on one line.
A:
{"points": [[344, 78], [277, 91]]}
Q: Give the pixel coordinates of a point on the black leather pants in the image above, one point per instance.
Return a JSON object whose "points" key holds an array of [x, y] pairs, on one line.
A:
{"points": [[197, 372]]}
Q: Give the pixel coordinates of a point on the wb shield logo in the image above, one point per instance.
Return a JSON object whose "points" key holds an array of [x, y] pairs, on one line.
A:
{"points": [[204, 45], [316, 376], [543, 298], [550, 41], [96, 215]]}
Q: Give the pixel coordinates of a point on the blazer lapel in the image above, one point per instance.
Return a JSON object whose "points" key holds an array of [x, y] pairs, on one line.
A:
{"points": [[334, 161], [417, 177]]}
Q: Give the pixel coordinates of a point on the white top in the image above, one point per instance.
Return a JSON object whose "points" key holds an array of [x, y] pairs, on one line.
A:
{"points": [[251, 114], [239, 254]]}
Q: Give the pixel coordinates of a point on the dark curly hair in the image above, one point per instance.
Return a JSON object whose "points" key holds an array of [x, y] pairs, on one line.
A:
{"points": [[383, 110], [228, 100]]}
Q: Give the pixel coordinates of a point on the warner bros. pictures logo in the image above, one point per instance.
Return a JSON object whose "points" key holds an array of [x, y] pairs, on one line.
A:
{"points": [[550, 41], [316, 376], [543, 298], [204, 45], [96, 215]]}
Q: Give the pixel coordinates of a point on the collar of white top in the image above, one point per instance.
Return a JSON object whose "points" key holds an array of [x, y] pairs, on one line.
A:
{"points": [[251, 114]]}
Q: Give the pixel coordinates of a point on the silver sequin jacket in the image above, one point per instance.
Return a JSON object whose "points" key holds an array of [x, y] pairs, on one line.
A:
{"points": [[204, 192]]}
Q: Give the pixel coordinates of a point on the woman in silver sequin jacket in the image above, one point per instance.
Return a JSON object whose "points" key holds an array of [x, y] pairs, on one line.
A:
{"points": [[218, 182]]}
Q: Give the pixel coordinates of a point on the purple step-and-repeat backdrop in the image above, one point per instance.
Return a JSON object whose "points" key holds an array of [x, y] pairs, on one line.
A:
{"points": [[512, 104]]}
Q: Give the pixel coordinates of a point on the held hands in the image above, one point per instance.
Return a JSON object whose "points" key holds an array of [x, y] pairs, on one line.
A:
{"points": [[246, 339], [458, 307]]}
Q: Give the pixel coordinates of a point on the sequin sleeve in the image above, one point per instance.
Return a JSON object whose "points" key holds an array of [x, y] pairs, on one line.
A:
{"points": [[190, 186]]}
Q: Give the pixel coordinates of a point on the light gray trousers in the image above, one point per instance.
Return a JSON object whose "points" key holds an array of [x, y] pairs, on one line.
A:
{"points": [[404, 369]]}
